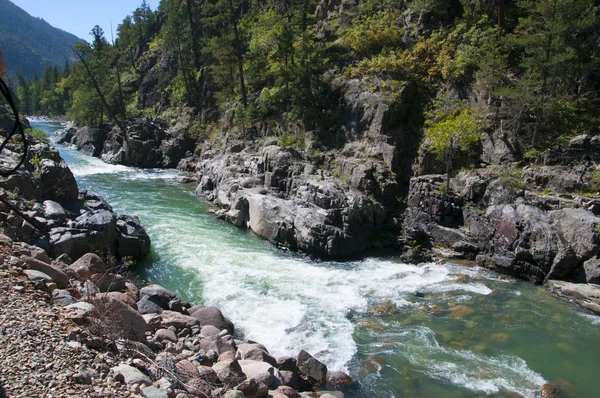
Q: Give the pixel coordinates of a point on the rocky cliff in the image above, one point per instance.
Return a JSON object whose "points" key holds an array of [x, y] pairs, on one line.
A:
{"points": [[538, 222]]}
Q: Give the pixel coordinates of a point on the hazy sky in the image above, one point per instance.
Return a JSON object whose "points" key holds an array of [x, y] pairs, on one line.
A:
{"points": [[80, 16]]}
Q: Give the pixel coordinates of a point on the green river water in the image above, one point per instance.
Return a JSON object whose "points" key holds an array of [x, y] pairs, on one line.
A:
{"points": [[401, 330]]}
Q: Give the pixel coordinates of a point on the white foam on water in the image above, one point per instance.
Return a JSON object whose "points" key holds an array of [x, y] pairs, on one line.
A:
{"points": [[477, 372], [289, 303], [594, 319]]}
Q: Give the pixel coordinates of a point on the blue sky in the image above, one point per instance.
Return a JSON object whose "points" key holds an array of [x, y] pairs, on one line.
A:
{"points": [[80, 16]]}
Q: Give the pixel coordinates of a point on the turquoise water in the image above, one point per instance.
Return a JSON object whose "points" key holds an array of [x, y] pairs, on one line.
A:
{"points": [[401, 330]]}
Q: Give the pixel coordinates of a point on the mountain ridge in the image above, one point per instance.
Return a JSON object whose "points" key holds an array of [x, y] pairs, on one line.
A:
{"points": [[30, 44]]}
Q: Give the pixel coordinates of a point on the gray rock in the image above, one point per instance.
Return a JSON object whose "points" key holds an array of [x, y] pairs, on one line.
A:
{"points": [[109, 282], [129, 375], [340, 381], [212, 316], [133, 240], [131, 324], [216, 344], [592, 270], [65, 259], [585, 295], [36, 276], [165, 334], [261, 372], [209, 330], [87, 265], [154, 392], [59, 277], [229, 372], [62, 298], [85, 375], [54, 211], [158, 294], [187, 371], [314, 370], [234, 394], [257, 354], [79, 312], [179, 321], [146, 306]]}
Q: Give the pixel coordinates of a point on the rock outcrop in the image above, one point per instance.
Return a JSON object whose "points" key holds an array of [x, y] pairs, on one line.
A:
{"points": [[147, 143], [41, 204], [279, 198]]}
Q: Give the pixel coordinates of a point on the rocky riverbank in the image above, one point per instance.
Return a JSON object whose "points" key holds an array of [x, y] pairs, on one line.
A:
{"points": [[535, 223], [102, 336], [42, 205]]}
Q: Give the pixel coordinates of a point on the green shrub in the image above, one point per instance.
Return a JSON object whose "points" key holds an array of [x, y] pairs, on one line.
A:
{"points": [[37, 134]]}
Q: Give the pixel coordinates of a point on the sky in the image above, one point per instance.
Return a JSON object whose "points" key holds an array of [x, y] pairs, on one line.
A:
{"points": [[80, 16]]}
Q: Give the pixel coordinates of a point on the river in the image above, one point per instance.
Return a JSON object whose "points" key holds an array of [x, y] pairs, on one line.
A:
{"points": [[401, 330]]}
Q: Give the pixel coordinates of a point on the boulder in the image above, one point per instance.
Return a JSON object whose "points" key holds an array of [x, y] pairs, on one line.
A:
{"points": [[592, 270], [229, 372], [311, 368], [109, 282], [216, 344], [585, 295], [54, 211], [129, 375], [288, 392], [252, 388], [62, 298], [340, 381], [165, 335], [209, 330], [257, 354], [187, 371], [146, 306], [177, 320], [260, 372], [212, 316], [59, 277], [37, 276], [129, 322], [158, 295], [132, 240], [123, 297], [87, 265]]}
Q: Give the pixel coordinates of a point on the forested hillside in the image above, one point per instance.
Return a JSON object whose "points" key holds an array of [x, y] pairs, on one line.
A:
{"points": [[30, 44], [526, 67]]}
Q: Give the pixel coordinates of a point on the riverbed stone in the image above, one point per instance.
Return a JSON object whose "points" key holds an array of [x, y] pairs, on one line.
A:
{"points": [[59, 277], [158, 294], [261, 372], [146, 306], [229, 372], [314, 370], [129, 375], [585, 295], [212, 316], [165, 335], [339, 380], [87, 265], [37, 276], [178, 320], [62, 298], [288, 392]]}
